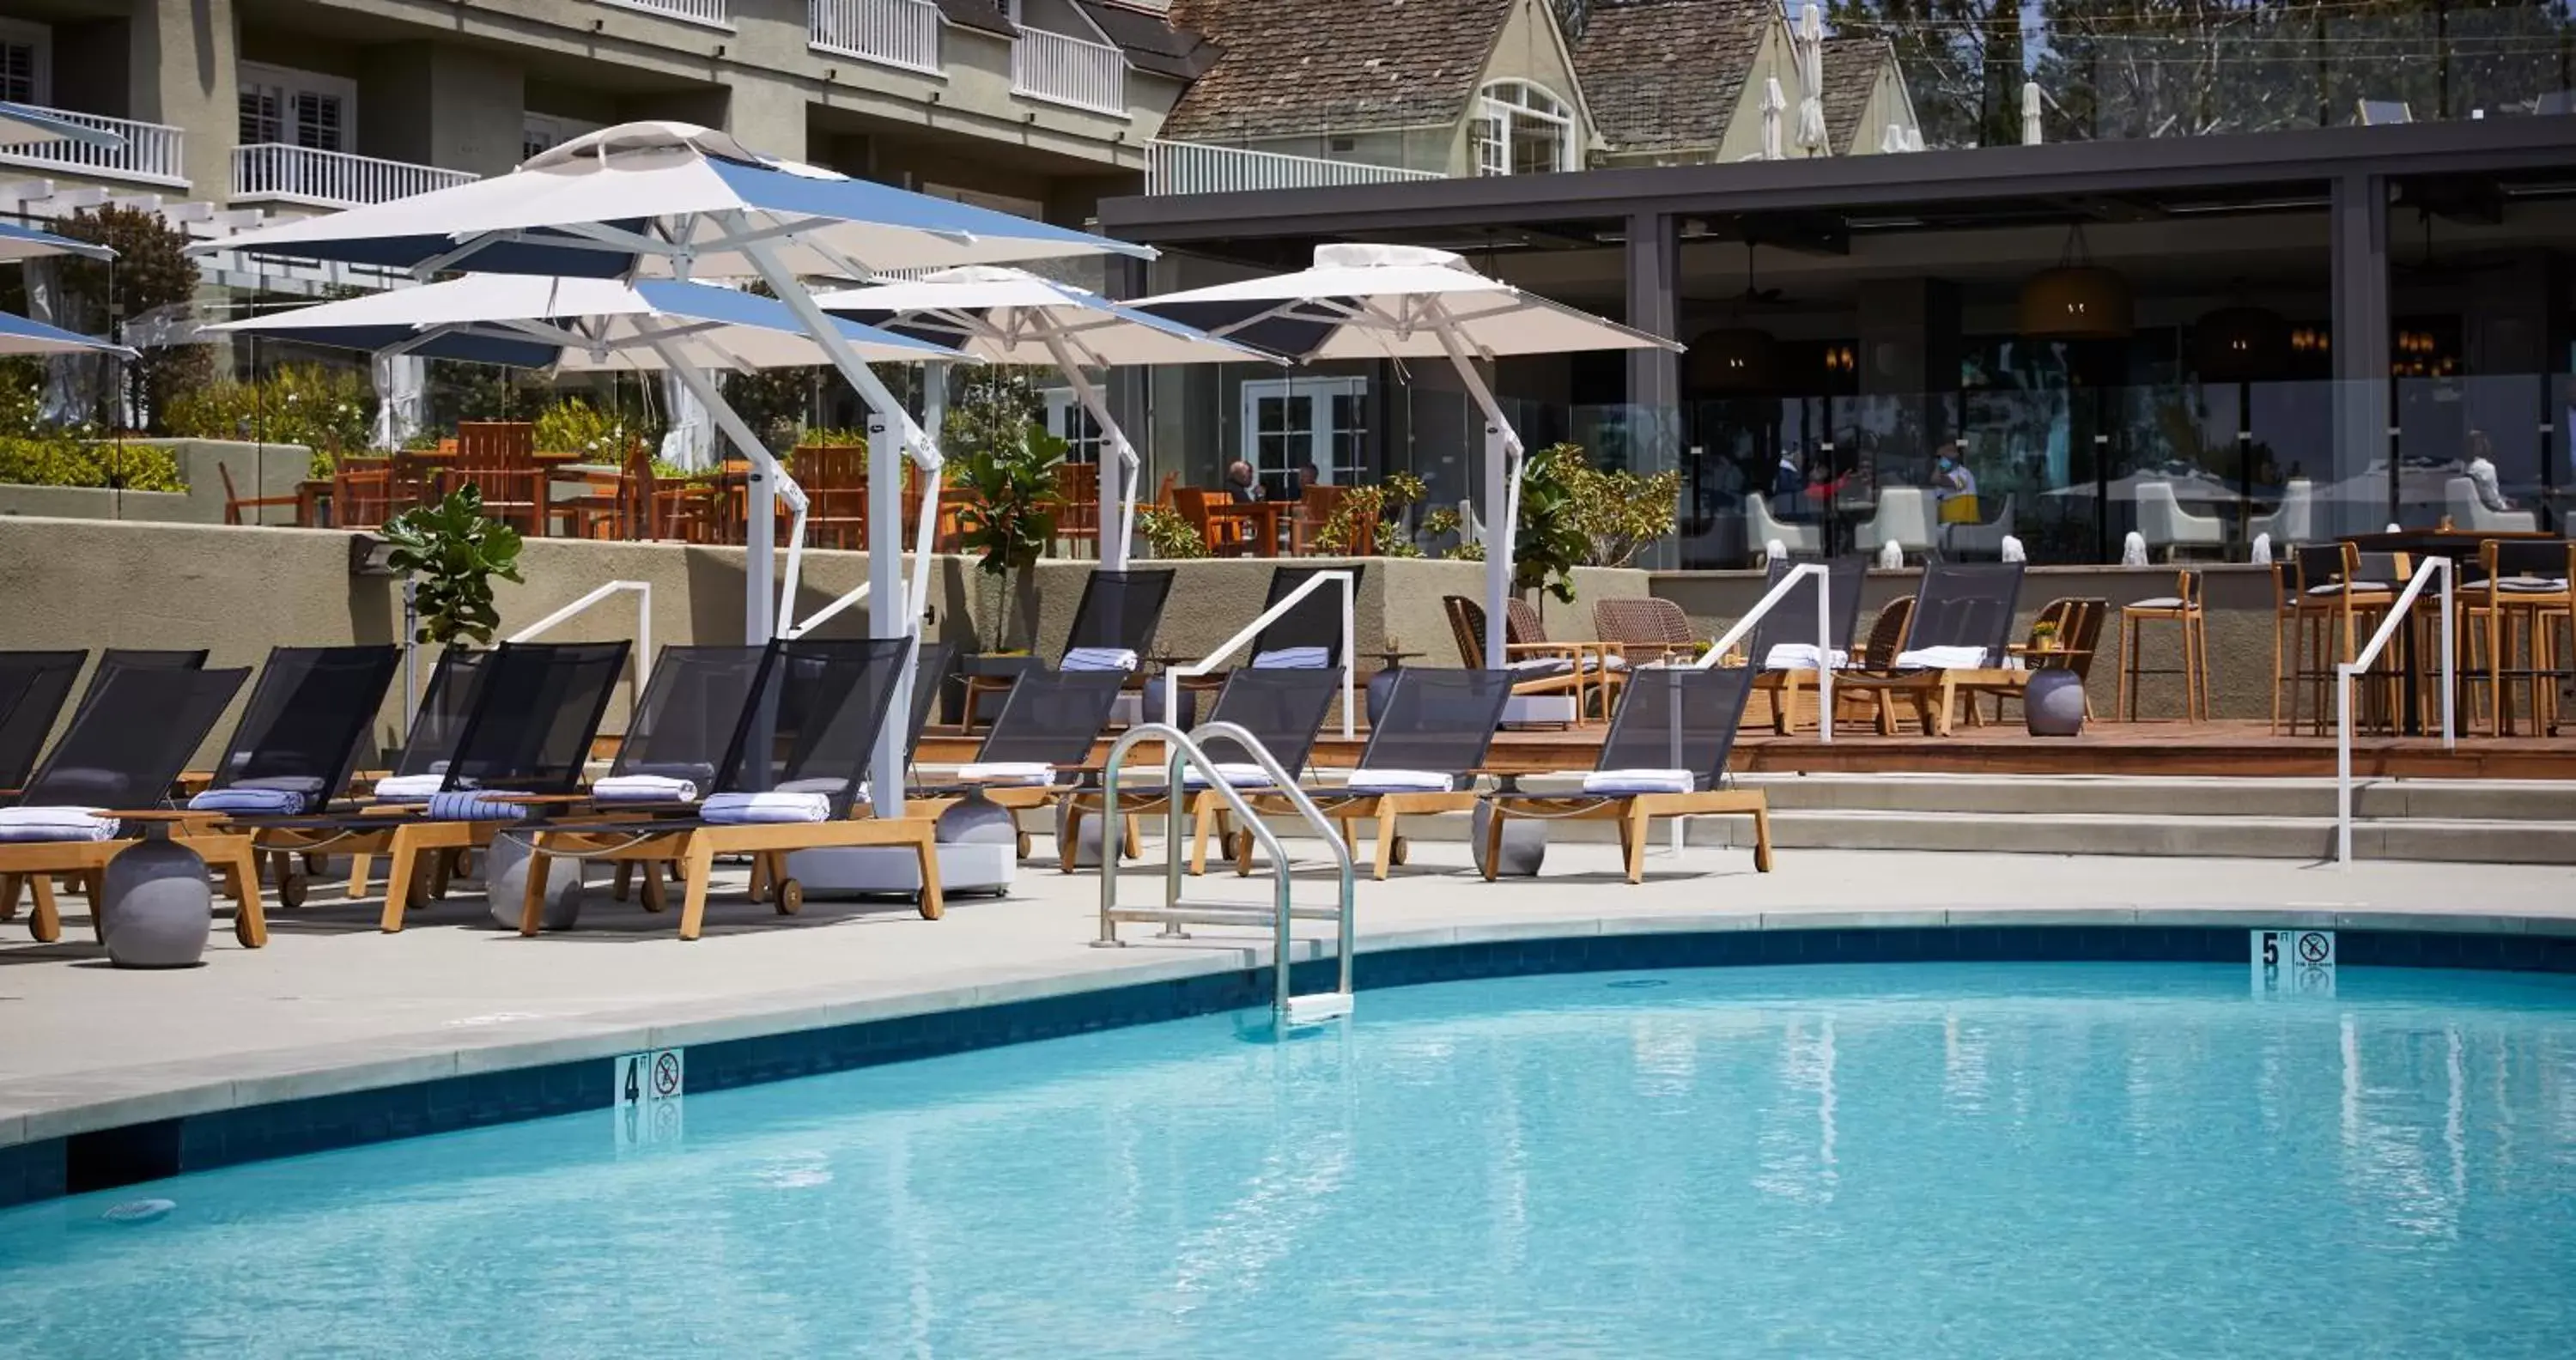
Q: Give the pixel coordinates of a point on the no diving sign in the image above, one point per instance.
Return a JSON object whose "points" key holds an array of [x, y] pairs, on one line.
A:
{"points": [[649, 1087], [2294, 963]]}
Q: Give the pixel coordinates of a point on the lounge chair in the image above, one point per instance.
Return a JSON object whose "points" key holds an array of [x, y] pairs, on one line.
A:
{"points": [[537, 708], [1282, 707], [1308, 636], [420, 768], [116, 659], [789, 781], [121, 754], [1957, 640], [1113, 628], [33, 686], [1540, 671], [1047, 727], [292, 752], [1665, 757], [1783, 649], [1422, 758]]}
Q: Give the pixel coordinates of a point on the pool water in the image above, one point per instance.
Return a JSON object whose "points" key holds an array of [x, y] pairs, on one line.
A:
{"points": [[1877, 1160]]}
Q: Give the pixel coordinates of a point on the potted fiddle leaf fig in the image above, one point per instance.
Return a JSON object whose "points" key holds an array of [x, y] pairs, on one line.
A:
{"points": [[1010, 519], [452, 552]]}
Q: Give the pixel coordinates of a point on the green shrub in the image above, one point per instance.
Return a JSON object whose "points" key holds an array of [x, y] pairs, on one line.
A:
{"points": [[331, 411], [58, 458], [573, 425]]}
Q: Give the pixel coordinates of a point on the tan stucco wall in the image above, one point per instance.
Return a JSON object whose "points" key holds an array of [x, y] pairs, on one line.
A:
{"points": [[258, 470], [1744, 128], [1887, 104], [1529, 48]]}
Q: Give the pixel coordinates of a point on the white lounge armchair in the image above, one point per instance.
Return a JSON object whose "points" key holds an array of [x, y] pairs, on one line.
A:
{"points": [[1904, 517], [1760, 526], [2165, 525], [1980, 540], [2294, 520], [2460, 499]]}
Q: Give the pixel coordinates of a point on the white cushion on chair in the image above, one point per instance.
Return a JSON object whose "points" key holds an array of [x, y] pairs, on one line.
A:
{"points": [[1621, 782], [55, 824], [1028, 772], [775, 805], [2532, 585], [1400, 781], [644, 788], [2339, 587], [2159, 602], [1799, 656], [1943, 658], [1240, 776]]}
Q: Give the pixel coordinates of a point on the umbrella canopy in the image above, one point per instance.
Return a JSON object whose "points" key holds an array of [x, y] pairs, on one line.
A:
{"points": [[27, 243], [1010, 316], [1774, 103], [667, 198], [18, 335], [1812, 133], [1405, 302], [579, 325], [26, 125]]}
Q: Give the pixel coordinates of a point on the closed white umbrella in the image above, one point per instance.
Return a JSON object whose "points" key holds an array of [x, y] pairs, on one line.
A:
{"points": [[2030, 113], [1010, 316], [1774, 104], [1812, 135], [1411, 302]]}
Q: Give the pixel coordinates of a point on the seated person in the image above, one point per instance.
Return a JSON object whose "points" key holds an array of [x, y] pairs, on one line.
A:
{"points": [[1240, 480], [1956, 487]]}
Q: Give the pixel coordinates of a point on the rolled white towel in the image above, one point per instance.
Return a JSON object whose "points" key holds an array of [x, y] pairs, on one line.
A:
{"points": [[1617, 782], [1799, 656], [55, 824], [1023, 772], [409, 788], [1891, 555], [775, 805], [2262, 550], [1240, 776], [243, 798], [474, 805], [2133, 550], [1775, 551], [1942, 658], [1399, 781], [2013, 551], [1099, 659], [1293, 659], [644, 788]]}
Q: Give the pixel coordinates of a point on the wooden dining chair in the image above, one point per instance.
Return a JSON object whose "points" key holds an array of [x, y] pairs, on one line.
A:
{"points": [[2510, 622], [500, 458], [1225, 535], [1077, 514], [835, 478], [235, 502], [367, 491]]}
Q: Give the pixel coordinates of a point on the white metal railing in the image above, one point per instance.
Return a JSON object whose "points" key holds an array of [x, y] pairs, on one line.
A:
{"points": [[151, 154], [818, 617], [643, 655], [901, 33], [1199, 168], [709, 12], [1824, 636], [1179, 749], [2399, 614], [1062, 70], [1172, 678], [330, 179]]}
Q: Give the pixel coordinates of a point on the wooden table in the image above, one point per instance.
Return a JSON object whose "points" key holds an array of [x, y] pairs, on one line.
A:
{"points": [[1263, 519]]}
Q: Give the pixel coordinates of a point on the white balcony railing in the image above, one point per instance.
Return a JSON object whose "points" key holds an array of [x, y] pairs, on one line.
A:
{"points": [[1198, 168], [1062, 70], [150, 154], [712, 13], [274, 172], [901, 33]]}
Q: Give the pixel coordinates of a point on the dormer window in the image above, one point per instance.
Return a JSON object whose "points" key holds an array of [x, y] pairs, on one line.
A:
{"points": [[1521, 129]]}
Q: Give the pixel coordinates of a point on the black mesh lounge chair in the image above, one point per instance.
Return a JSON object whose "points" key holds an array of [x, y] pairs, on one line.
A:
{"points": [[1047, 727], [1790, 630], [33, 686], [1422, 758], [116, 659], [1665, 757], [1113, 628], [928, 674], [537, 708], [454, 685], [805, 739], [692, 708], [1957, 640], [296, 743], [121, 754], [1308, 636], [1282, 707]]}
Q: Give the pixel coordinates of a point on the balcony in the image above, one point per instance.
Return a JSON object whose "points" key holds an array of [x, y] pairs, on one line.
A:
{"points": [[710, 13], [1198, 168], [1070, 71], [150, 154], [898, 33], [274, 173]]}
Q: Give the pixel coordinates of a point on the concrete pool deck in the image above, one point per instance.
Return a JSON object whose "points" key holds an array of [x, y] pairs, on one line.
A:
{"points": [[331, 1005]]}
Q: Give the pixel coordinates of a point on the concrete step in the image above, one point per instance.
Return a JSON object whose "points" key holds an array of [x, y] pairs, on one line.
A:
{"points": [[2010, 795]]}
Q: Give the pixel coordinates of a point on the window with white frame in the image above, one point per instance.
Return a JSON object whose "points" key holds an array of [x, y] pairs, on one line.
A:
{"points": [[26, 62], [287, 107], [1291, 422], [545, 131], [1067, 420], [1521, 129]]}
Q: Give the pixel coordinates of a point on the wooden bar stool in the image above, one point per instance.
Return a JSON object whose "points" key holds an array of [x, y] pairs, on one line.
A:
{"points": [[2183, 609]]}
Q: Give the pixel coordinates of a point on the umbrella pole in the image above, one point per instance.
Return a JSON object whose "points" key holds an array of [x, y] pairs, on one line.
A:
{"points": [[1502, 493], [1117, 458], [770, 484]]}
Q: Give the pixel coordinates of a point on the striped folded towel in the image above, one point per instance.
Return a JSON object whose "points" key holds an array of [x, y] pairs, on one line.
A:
{"points": [[244, 798], [55, 824], [1399, 781], [409, 788], [1240, 776], [1799, 656], [1293, 659], [473, 805], [1028, 772], [1942, 658], [1620, 782], [644, 788], [1099, 659], [775, 805]]}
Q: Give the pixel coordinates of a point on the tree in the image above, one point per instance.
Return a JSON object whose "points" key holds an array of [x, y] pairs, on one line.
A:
{"points": [[1962, 61], [151, 271]]}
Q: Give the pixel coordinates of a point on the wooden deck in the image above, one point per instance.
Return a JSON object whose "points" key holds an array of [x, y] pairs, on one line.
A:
{"points": [[2226, 748]]}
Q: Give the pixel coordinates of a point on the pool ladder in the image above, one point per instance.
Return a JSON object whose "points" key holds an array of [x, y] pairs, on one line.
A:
{"points": [[1180, 748]]}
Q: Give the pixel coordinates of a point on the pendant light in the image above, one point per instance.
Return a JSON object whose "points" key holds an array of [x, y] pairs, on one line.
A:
{"points": [[1733, 359], [2240, 344], [2077, 300]]}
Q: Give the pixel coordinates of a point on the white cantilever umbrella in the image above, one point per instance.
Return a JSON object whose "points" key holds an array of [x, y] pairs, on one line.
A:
{"points": [[679, 200], [1010, 316], [596, 325], [1410, 302], [18, 334]]}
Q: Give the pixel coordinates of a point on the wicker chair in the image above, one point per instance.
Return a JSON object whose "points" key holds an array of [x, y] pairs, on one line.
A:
{"points": [[1645, 627]]}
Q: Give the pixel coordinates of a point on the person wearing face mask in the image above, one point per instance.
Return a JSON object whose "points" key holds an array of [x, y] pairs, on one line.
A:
{"points": [[1956, 486]]}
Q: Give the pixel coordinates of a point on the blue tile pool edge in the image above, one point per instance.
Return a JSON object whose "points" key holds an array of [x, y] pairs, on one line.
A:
{"points": [[132, 1153]]}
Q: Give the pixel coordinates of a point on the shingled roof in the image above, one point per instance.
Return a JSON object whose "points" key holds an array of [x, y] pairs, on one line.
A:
{"points": [[1302, 66], [1666, 75], [1851, 67]]}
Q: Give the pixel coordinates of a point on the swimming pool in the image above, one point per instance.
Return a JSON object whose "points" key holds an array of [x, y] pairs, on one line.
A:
{"points": [[1904, 1160]]}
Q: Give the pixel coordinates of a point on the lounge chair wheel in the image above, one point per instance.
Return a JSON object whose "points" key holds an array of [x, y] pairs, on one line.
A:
{"points": [[290, 890], [439, 868], [315, 862], [1237, 844], [1399, 852], [791, 896]]}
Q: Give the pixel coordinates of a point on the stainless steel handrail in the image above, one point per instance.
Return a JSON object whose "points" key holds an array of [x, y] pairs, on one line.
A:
{"points": [[1181, 749], [2345, 672], [1348, 581], [1824, 639]]}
